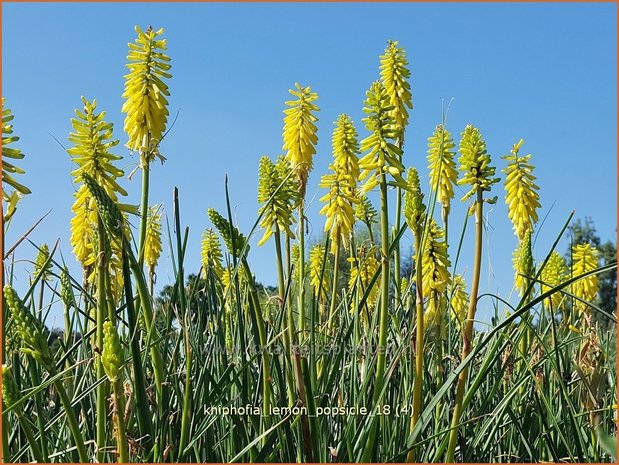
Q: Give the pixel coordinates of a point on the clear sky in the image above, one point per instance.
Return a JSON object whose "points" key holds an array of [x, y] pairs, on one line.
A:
{"points": [[543, 72]]}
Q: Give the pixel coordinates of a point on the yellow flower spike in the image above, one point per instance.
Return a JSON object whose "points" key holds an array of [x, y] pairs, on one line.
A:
{"points": [[585, 258], [152, 245], [146, 104], [414, 208], [342, 183], [521, 195], [362, 270], [459, 301], [365, 211], [435, 309], [82, 227], [92, 140], [475, 162], [319, 272], [524, 268], [227, 277], [277, 190], [346, 148], [39, 264], [394, 74], [554, 273], [383, 156], [300, 133], [434, 261], [211, 253], [441, 166], [8, 168]]}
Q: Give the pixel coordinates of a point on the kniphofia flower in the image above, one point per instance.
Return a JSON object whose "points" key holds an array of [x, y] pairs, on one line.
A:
{"points": [[300, 133], [434, 271], [319, 272], [524, 267], [382, 156], [146, 92], [40, 265], [554, 273], [211, 253], [475, 162], [362, 271], [112, 356], [414, 208], [521, 194], [277, 191], [585, 258], [459, 301], [152, 245], [394, 74], [342, 183], [442, 166], [8, 168], [365, 211]]}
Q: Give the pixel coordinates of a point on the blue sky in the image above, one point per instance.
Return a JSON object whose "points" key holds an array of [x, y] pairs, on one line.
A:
{"points": [[543, 72]]}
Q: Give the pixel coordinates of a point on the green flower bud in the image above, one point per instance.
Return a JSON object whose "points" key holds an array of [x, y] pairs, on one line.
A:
{"points": [[110, 213], [10, 391], [234, 240], [28, 329], [112, 357], [40, 266]]}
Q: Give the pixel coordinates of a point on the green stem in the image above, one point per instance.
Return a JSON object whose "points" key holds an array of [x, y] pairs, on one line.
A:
{"points": [[143, 207], [147, 307], [301, 265], [384, 302], [419, 353], [336, 272], [143, 410], [100, 319], [121, 437], [294, 347], [72, 421], [396, 226], [467, 333], [383, 321], [281, 292]]}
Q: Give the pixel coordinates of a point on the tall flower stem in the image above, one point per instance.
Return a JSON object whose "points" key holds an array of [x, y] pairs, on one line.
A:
{"points": [[119, 423], [467, 333], [384, 302], [419, 336], [282, 294], [383, 321], [336, 271], [147, 307], [301, 274], [143, 207], [100, 319], [396, 228], [143, 410]]}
